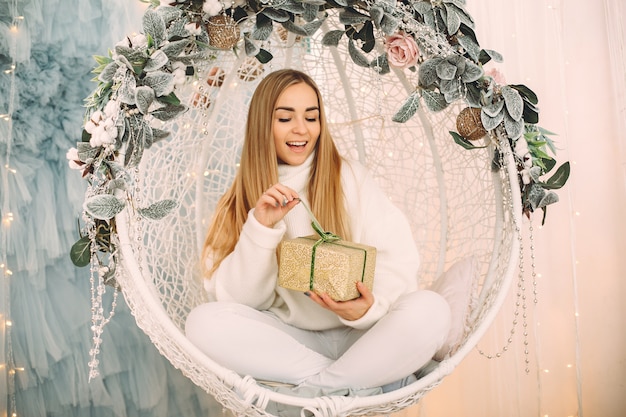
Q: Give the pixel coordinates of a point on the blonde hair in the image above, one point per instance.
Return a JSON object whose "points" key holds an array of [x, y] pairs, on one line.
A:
{"points": [[258, 171]]}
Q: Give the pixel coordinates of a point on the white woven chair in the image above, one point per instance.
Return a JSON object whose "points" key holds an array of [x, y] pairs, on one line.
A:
{"points": [[458, 205]]}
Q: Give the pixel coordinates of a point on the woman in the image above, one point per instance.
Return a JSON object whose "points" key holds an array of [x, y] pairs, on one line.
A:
{"points": [[257, 328]]}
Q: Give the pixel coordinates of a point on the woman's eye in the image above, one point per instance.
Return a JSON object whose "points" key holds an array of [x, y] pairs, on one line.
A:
{"points": [[283, 120], [311, 119]]}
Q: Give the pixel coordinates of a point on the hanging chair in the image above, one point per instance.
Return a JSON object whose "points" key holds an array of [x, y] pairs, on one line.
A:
{"points": [[462, 197]]}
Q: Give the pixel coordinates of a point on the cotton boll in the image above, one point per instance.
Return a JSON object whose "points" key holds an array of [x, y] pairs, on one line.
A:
{"points": [[212, 7]]}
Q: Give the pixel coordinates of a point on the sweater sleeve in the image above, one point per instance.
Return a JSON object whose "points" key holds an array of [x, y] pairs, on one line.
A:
{"points": [[248, 274], [378, 222]]}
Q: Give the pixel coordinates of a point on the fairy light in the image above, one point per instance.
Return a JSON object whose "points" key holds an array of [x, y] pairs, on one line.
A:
{"points": [[9, 367]]}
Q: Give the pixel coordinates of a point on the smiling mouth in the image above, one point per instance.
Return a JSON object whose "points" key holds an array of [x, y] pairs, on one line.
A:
{"points": [[296, 144]]}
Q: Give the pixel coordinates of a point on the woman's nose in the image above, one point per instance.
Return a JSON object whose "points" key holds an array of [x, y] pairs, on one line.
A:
{"points": [[300, 126]]}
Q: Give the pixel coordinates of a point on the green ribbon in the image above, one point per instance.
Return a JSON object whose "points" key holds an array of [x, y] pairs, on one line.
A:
{"points": [[326, 237]]}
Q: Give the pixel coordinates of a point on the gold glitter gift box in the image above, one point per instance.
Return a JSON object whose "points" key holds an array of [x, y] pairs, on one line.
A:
{"points": [[333, 266]]}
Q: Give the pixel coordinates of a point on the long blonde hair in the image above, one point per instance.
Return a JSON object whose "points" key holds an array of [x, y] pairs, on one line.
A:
{"points": [[258, 171]]}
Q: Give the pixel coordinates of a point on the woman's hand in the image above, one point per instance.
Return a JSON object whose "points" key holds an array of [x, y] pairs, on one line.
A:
{"points": [[274, 204], [347, 310]]}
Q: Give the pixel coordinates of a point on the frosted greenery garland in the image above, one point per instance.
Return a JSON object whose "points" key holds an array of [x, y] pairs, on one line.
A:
{"points": [[433, 42]]}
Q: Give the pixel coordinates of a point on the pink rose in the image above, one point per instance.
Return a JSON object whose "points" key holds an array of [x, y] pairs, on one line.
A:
{"points": [[402, 51], [496, 75]]}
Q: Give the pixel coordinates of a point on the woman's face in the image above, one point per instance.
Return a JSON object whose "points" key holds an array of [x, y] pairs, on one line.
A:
{"points": [[296, 124]]}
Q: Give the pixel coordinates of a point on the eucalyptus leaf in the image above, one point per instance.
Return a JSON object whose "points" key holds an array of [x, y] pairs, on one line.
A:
{"points": [[434, 101], [292, 6], [351, 17], [116, 184], [308, 29], [490, 123], [131, 54], [174, 49], [531, 113], [168, 112], [80, 253], [144, 96], [487, 55], [513, 101], [380, 64], [535, 195], [159, 134], [103, 206], [449, 87], [250, 47], [332, 37], [422, 7], [514, 128], [86, 152], [493, 109], [460, 140], [310, 11], [169, 13], [263, 28], [108, 72], [453, 21], [534, 172], [389, 24], [154, 25], [376, 14], [427, 73], [526, 92], [264, 56], [559, 178], [126, 91], [161, 82], [472, 72], [470, 45], [464, 17], [549, 198], [156, 61], [408, 109], [356, 55], [446, 70], [276, 15], [158, 210]]}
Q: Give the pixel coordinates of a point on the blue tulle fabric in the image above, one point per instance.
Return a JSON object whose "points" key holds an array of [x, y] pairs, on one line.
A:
{"points": [[49, 297]]}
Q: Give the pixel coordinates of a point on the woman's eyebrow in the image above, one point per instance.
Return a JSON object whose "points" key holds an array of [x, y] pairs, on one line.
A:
{"points": [[293, 109]]}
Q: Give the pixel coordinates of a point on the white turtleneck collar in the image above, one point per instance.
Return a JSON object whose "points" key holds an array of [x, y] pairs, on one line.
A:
{"points": [[296, 176]]}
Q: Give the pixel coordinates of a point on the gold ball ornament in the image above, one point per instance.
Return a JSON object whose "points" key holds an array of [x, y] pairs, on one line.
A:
{"points": [[223, 32], [250, 69], [469, 125]]}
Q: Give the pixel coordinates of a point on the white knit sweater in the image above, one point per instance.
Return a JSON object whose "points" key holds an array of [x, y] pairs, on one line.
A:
{"points": [[249, 274]]}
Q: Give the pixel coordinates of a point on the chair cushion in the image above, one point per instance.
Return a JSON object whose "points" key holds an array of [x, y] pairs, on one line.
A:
{"points": [[456, 286]]}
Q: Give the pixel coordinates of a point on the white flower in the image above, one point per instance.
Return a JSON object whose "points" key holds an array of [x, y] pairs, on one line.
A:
{"points": [[193, 28], [521, 147], [112, 109], [179, 72], [102, 127], [212, 7], [138, 40]]}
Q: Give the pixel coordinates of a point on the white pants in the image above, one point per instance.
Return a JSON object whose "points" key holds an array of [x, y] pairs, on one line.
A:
{"points": [[257, 343]]}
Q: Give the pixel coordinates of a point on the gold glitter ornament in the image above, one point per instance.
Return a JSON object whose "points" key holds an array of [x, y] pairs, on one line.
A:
{"points": [[469, 125], [223, 32]]}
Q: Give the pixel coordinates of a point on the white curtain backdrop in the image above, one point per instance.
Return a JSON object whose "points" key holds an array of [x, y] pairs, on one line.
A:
{"points": [[571, 53]]}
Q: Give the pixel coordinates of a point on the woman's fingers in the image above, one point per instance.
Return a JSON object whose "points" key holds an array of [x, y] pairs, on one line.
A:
{"points": [[347, 310], [274, 204], [280, 195]]}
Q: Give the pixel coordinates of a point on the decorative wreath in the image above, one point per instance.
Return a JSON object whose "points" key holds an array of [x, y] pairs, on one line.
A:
{"points": [[137, 85]]}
